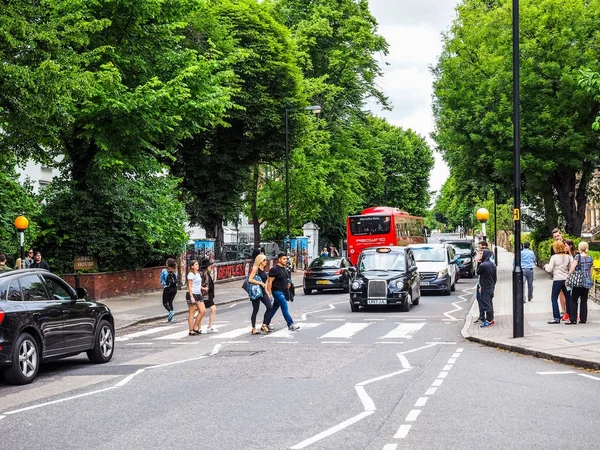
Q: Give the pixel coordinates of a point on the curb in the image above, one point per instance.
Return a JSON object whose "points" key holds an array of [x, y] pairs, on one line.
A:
{"points": [[526, 351], [178, 313]]}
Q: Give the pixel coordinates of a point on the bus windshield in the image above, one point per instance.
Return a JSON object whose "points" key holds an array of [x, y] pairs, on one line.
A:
{"points": [[369, 225]]}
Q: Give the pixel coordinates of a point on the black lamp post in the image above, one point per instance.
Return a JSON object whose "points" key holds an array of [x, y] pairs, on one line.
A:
{"points": [[316, 109], [518, 319]]}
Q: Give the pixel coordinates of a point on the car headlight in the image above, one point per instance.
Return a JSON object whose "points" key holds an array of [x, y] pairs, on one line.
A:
{"points": [[356, 284], [442, 273], [466, 260], [399, 284]]}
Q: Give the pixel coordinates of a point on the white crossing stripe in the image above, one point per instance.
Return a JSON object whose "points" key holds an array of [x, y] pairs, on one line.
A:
{"points": [[285, 333], [174, 336], [232, 334], [128, 337], [346, 331], [404, 331]]}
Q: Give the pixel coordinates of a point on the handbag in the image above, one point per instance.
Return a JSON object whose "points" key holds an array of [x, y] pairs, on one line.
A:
{"points": [[254, 291], [576, 278]]}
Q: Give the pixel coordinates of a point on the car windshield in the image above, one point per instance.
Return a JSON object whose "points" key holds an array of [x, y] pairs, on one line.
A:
{"points": [[429, 254], [325, 263], [462, 249], [382, 261]]}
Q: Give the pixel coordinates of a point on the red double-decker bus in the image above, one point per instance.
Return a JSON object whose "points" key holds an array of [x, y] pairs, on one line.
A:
{"points": [[382, 225]]}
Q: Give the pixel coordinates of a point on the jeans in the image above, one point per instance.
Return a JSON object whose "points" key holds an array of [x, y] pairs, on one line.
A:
{"points": [[576, 294], [557, 287], [478, 297], [279, 301], [528, 277]]}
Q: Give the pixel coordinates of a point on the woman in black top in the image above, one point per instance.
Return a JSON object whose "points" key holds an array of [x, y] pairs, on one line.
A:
{"points": [[208, 293], [260, 263]]}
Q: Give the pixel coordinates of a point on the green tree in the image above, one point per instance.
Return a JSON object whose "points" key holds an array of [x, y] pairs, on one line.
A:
{"points": [[473, 101]]}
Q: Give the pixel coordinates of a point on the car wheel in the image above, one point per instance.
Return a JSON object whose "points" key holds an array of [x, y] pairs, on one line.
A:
{"points": [[104, 343], [406, 306], [353, 307], [307, 291], [448, 290], [25, 361]]}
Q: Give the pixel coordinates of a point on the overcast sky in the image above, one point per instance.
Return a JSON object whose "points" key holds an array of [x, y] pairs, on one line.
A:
{"points": [[413, 30]]}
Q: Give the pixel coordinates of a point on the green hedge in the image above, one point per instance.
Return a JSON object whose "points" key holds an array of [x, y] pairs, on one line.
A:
{"points": [[542, 249]]}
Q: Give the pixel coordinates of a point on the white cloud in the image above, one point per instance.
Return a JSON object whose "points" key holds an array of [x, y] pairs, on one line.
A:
{"points": [[413, 31]]}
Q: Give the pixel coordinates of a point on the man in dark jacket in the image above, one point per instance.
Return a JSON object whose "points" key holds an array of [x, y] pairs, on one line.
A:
{"points": [[38, 263], [487, 283]]}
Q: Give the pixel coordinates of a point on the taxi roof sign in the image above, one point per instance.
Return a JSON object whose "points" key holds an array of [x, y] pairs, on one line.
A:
{"points": [[384, 250]]}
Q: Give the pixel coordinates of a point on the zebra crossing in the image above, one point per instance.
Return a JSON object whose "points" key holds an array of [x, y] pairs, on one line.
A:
{"points": [[319, 332]]}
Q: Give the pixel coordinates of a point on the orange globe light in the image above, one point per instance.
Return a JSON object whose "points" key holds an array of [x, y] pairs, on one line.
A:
{"points": [[21, 223], [482, 215]]}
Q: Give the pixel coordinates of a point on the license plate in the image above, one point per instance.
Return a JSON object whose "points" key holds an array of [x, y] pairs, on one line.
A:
{"points": [[425, 283], [376, 302], [322, 281]]}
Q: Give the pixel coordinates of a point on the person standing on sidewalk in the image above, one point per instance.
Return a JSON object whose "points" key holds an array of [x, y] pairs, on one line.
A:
{"points": [[168, 279], [528, 264], [208, 295], [558, 266], [584, 262], [487, 284], [564, 304], [279, 282], [3, 266], [38, 263], [260, 263], [193, 298]]}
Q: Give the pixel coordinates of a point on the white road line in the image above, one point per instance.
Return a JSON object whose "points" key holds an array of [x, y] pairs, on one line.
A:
{"points": [[437, 382], [412, 415], [451, 360], [232, 334], [129, 377], [421, 402], [130, 336], [173, 336], [332, 430], [215, 349], [431, 391], [404, 361], [402, 431], [2, 417], [368, 403], [303, 317], [443, 375], [431, 344], [404, 331], [459, 350], [53, 402], [564, 372], [383, 377], [390, 446], [588, 376], [288, 334], [456, 355], [238, 342], [447, 367], [346, 331], [389, 342]]}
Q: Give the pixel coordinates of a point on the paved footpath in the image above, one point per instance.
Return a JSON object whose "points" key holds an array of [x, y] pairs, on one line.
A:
{"points": [[578, 345], [130, 310]]}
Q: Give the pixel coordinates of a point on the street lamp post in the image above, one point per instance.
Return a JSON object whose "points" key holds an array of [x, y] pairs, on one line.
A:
{"points": [[483, 215], [495, 225], [21, 224], [518, 319], [316, 109]]}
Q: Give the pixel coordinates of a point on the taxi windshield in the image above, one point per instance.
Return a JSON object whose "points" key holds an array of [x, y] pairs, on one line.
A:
{"points": [[382, 261]]}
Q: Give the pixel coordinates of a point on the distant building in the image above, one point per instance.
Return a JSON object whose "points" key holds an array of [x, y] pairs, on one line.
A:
{"points": [[39, 175]]}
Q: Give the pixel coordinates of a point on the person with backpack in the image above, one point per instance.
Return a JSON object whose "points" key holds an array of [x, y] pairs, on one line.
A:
{"points": [[168, 279], [277, 286]]}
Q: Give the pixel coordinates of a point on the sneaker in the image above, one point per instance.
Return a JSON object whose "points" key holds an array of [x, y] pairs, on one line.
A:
{"points": [[211, 330], [270, 327], [171, 314], [554, 321], [477, 320], [485, 324], [492, 322], [565, 318], [293, 327]]}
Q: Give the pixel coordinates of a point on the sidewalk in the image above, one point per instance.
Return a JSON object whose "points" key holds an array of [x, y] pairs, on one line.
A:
{"points": [[578, 345], [130, 310]]}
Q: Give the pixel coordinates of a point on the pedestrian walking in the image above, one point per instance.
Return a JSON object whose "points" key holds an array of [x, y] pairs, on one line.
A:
{"points": [[584, 262], [527, 265], [558, 266], [3, 266], [486, 270], [193, 297], [38, 263], [208, 295], [277, 285], [168, 279], [258, 273]]}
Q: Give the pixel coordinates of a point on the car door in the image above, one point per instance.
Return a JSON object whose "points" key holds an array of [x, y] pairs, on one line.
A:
{"points": [[414, 280], [451, 264], [46, 313], [78, 318]]}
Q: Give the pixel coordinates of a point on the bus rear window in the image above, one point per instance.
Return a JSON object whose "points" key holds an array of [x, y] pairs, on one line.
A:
{"points": [[368, 225]]}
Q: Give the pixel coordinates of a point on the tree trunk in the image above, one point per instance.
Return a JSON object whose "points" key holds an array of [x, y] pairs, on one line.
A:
{"points": [[572, 198], [550, 213], [253, 199]]}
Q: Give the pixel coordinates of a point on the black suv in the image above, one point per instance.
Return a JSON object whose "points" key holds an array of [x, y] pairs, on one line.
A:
{"points": [[43, 318], [465, 250], [386, 276]]}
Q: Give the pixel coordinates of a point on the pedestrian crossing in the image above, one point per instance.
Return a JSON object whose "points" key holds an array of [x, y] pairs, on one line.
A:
{"points": [[319, 332]]}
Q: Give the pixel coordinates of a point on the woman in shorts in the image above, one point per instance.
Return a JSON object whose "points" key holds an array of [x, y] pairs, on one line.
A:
{"points": [[193, 298], [208, 296]]}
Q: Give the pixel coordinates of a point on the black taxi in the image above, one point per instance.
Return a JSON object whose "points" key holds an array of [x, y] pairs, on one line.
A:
{"points": [[386, 276]]}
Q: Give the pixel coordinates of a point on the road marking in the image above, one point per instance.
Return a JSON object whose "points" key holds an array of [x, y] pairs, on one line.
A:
{"points": [[588, 376], [451, 360], [2, 417], [404, 331], [389, 342], [443, 375], [173, 336], [459, 350], [346, 331], [447, 367], [232, 334], [402, 431], [335, 342], [368, 403], [390, 446], [556, 373], [412, 415], [332, 430], [303, 317], [456, 355], [437, 382], [131, 336], [431, 391], [289, 334], [215, 349], [421, 402], [140, 343]]}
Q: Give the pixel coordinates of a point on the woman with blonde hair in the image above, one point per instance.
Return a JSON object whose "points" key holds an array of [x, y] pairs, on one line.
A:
{"points": [[559, 266], [258, 273], [584, 262]]}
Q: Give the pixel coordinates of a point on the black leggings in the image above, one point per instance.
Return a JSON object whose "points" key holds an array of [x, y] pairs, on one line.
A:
{"points": [[168, 297], [256, 305]]}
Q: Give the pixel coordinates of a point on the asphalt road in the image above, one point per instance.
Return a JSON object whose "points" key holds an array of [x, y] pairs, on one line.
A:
{"points": [[376, 379]]}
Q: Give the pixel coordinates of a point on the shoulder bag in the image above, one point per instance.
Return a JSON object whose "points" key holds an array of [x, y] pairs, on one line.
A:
{"points": [[576, 278]]}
